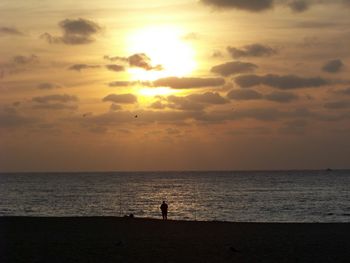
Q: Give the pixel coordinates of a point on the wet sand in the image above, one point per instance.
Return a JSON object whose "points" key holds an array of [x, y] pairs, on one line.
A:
{"points": [[111, 239]]}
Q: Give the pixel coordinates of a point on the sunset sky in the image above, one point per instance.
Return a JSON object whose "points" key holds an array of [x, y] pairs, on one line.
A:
{"points": [[115, 85]]}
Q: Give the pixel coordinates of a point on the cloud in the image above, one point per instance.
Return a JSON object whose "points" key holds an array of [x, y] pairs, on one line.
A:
{"points": [[139, 60], [183, 103], [75, 32], [299, 6], [282, 97], [247, 5], [217, 54], [123, 83], [284, 82], [345, 91], [79, 67], [115, 107], [315, 24], [294, 127], [10, 31], [235, 67], [115, 67], [117, 118], [121, 98], [190, 36], [249, 94], [55, 106], [24, 60], [120, 83], [244, 94], [188, 83], [55, 102], [64, 98], [193, 102], [261, 114], [337, 105], [333, 66], [11, 118], [208, 97], [253, 50], [158, 105], [49, 86]]}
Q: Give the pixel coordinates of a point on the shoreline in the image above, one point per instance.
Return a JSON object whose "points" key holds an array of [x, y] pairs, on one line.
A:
{"points": [[119, 239]]}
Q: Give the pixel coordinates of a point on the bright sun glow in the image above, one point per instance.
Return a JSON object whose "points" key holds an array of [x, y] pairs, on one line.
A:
{"points": [[164, 46]]}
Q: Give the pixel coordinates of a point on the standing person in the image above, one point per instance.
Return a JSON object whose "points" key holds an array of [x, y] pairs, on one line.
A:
{"points": [[164, 209]]}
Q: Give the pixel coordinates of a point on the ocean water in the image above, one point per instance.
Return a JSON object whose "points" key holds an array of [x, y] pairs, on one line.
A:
{"points": [[266, 196]]}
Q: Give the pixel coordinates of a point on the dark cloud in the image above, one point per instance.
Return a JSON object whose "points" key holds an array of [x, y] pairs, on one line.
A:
{"points": [[49, 86], [188, 83], [193, 102], [139, 60], [79, 67], [244, 94], [296, 127], [24, 60], [115, 107], [257, 130], [208, 97], [280, 82], [249, 94], [115, 67], [11, 118], [63, 98], [121, 83], [56, 102], [142, 61], [253, 50], [55, 106], [184, 103], [261, 114], [315, 24], [248, 5], [121, 98], [333, 66], [345, 91], [347, 2], [117, 118], [299, 6], [158, 105], [116, 58], [10, 31], [282, 97], [235, 67], [75, 32], [337, 105]]}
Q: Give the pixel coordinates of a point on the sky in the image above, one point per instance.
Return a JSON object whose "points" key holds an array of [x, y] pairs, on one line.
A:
{"points": [[114, 85]]}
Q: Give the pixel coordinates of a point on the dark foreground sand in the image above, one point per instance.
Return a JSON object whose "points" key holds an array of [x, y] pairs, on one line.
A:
{"points": [[108, 239]]}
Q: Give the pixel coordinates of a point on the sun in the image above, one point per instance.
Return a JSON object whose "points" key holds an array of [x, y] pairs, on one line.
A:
{"points": [[164, 46]]}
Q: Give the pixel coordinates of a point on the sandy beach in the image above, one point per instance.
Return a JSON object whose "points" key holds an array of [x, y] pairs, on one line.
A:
{"points": [[111, 239]]}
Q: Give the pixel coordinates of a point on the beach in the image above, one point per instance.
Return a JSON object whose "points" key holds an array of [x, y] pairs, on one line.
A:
{"points": [[113, 239]]}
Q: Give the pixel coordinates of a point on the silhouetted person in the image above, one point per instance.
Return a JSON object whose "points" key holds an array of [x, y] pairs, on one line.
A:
{"points": [[164, 208]]}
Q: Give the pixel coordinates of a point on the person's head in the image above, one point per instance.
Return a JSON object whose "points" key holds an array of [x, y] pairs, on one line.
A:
{"points": [[163, 202]]}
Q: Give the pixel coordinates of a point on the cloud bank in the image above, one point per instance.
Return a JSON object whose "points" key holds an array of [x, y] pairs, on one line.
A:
{"points": [[283, 82], [235, 67]]}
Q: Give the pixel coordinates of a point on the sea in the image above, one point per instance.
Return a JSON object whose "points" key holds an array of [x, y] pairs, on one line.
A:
{"points": [[235, 196]]}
